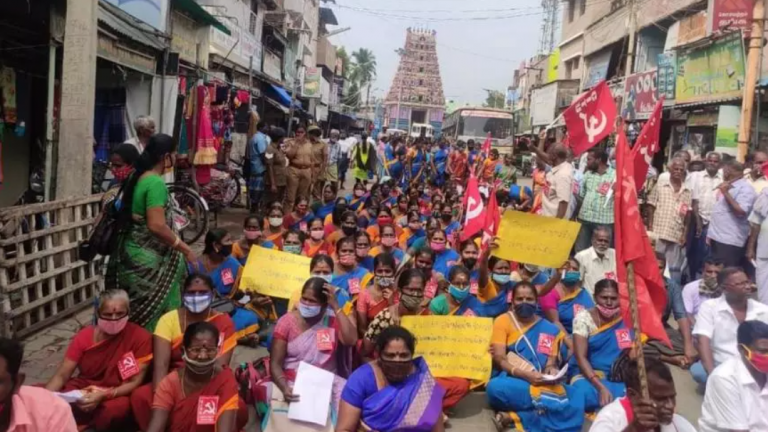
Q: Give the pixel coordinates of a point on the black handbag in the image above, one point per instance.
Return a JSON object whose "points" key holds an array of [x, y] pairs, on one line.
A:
{"points": [[103, 238]]}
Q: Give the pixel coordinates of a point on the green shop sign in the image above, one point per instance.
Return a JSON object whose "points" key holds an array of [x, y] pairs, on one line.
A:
{"points": [[710, 73]]}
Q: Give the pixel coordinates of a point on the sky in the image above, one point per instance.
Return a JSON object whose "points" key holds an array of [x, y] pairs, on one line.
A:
{"points": [[473, 53]]}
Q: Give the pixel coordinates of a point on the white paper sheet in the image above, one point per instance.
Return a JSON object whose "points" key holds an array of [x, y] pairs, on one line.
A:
{"points": [[70, 396], [557, 377], [313, 385]]}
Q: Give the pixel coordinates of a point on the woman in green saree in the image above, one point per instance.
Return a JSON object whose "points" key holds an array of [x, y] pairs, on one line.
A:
{"points": [[148, 260]]}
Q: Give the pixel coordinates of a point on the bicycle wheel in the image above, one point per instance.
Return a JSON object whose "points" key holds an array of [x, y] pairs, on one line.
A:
{"points": [[193, 216], [234, 190]]}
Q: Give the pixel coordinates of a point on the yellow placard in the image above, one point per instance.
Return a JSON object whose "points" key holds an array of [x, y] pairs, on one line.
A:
{"points": [[453, 346], [532, 239], [274, 273]]}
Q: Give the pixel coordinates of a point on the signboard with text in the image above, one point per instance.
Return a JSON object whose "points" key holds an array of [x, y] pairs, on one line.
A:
{"points": [[312, 77], [640, 96], [712, 72], [729, 15], [666, 76]]}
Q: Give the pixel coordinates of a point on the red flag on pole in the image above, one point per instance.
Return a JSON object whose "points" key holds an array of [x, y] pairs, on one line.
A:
{"points": [[590, 118], [633, 245], [487, 145], [474, 218], [647, 144]]}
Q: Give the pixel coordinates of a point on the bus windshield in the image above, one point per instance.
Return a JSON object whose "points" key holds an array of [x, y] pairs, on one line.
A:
{"points": [[479, 123]]}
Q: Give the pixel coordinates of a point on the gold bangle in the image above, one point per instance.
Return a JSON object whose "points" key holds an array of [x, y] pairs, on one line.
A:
{"points": [[176, 243]]}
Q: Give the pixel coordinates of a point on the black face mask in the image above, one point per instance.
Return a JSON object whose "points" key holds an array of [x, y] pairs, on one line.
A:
{"points": [[349, 230], [469, 262], [395, 371], [447, 217], [225, 250]]}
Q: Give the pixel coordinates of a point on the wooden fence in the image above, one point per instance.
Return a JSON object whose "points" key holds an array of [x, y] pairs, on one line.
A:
{"points": [[41, 279]]}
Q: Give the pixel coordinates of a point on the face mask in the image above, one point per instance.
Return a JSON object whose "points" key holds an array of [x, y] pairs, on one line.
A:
{"points": [[122, 173], [501, 278], [395, 371], [458, 293], [469, 262], [112, 327], [608, 312], [388, 241], [571, 278], [437, 247], [197, 303], [348, 260], [198, 367], [447, 217], [275, 221], [708, 287], [294, 249], [384, 220], [410, 302], [384, 281], [359, 193], [757, 360], [225, 250], [317, 235], [308, 311], [252, 235], [525, 310], [349, 230], [326, 278]]}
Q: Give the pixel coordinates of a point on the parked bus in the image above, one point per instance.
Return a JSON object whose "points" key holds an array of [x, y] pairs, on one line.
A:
{"points": [[422, 130], [470, 123]]}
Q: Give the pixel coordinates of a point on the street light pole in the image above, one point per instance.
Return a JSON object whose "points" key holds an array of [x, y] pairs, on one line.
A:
{"points": [[401, 53]]}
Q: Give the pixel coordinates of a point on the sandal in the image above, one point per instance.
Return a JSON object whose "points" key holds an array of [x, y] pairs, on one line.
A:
{"points": [[501, 421]]}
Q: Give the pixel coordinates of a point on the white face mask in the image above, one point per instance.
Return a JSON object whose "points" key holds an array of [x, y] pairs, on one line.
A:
{"points": [[197, 303], [275, 221]]}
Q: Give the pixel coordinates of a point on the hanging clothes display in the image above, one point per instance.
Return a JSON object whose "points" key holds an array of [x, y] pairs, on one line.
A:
{"points": [[8, 88], [205, 150]]}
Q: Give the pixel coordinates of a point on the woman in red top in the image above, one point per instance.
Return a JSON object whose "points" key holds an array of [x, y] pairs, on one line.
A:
{"points": [[111, 358], [201, 396]]}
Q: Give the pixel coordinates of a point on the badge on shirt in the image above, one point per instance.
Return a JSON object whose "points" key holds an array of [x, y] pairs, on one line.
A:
{"points": [[127, 366], [354, 286], [431, 289], [325, 340], [303, 226], [469, 313], [473, 288], [546, 342], [226, 276], [611, 275], [683, 209], [509, 296], [577, 308], [207, 407], [623, 338], [603, 188]]}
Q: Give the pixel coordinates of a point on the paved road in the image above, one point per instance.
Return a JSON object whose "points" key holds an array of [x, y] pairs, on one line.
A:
{"points": [[44, 351]]}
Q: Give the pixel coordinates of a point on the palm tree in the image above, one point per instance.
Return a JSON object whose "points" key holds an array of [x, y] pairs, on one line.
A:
{"points": [[341, 53], [364, 69]]}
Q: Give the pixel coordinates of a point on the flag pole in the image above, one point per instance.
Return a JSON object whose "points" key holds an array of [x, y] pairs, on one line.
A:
{"points": [[633, 309]]}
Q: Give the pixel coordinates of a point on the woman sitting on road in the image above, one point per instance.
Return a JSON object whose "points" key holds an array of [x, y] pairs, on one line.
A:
{"points": [[561, 305], [292, 242], [313, 333], [395, 392], [379, 294], [111, 359], [524, 348], [315, 244], [445, 257], [202, 395], [252, 236], [413, 232], [274, 230], [197, 295], [599, 337], [225, 271], [298, 219], [388, 243]]}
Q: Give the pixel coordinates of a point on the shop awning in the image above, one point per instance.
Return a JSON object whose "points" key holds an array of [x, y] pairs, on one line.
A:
{"points": [[277, 105], [124, 24], [200, 15], [282, 95], [706, 102]]}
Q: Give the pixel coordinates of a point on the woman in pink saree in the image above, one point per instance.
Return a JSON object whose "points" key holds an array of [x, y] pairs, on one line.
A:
{"points": [[311, 333]]}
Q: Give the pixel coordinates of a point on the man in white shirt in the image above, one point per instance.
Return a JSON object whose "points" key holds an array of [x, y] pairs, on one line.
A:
{"points": [[145, 128], [737, 398], [658, 413], [599, 261], [558, 191], [718, 321], [704, 195]]}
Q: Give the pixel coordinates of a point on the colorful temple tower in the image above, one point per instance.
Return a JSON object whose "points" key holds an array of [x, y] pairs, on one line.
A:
{"points": [[416, 95]]}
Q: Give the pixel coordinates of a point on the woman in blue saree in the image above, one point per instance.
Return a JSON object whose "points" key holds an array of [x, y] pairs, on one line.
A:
{"points": [[445, 257], [439, 162], [524, 348], [417, 163], [561, 305], [349, 275], [356, 201], [394, 393], [324, 208], [599, 337], [300, 217], [225, 270], [413, 232]]}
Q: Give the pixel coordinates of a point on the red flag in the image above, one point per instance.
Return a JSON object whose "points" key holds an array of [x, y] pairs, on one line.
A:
{"points": [[590, 118], [492, 220], [474, 218], [487, 145], [633, 245], [647, 144]]}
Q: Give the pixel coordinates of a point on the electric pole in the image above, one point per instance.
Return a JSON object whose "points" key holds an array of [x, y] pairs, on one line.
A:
{"points": [[631, 42], [750, 81]]}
